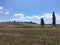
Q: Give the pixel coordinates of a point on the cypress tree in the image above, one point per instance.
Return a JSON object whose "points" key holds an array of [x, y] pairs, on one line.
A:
{"points": [[42, 22], [54, 19], [14, 21]]}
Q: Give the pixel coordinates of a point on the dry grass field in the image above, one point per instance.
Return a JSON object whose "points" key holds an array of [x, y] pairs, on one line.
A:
{"points": [[30, 36]]}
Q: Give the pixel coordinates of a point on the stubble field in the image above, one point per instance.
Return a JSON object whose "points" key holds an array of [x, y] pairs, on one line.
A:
{"points": [[30, 36]]}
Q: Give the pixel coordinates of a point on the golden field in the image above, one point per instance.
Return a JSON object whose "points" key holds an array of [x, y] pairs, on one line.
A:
{"points": [[29, 36]]}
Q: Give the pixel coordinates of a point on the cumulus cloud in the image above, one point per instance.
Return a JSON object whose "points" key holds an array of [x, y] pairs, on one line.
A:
{"points": [[7, 12], [47, 17], [29, 17], [23, 17], [18, 14], [35, 16], [57, 17], [1, 8], [3, 11]]}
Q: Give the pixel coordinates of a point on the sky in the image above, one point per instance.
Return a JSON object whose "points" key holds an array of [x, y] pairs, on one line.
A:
{"points": [[29, 10]]}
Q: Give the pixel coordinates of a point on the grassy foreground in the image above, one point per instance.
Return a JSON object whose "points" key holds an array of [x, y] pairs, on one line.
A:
{"points": [[30, 36]]}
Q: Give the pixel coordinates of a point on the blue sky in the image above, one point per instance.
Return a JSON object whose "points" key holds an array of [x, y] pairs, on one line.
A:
{"points": [[29, 10]]}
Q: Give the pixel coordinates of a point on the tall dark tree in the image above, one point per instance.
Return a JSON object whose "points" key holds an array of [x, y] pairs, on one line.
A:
{"points": [[42, 22], [14, 21], [54, 19]]}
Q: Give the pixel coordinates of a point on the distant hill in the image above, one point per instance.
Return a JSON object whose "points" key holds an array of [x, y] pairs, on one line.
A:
{"points": [[19, 24], [23, 25]]}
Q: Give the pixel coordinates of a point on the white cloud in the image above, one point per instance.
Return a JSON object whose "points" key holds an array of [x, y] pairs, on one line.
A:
{"points": [[57, 17], [35, 16], [3, 11], [29, 17], [47, 17], [1, 8], [19, 14], [7, 12]]}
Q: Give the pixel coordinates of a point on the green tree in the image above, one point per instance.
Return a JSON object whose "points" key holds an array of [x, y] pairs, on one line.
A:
{"points": [[42, 22], [14, 21], [54, 19]]}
